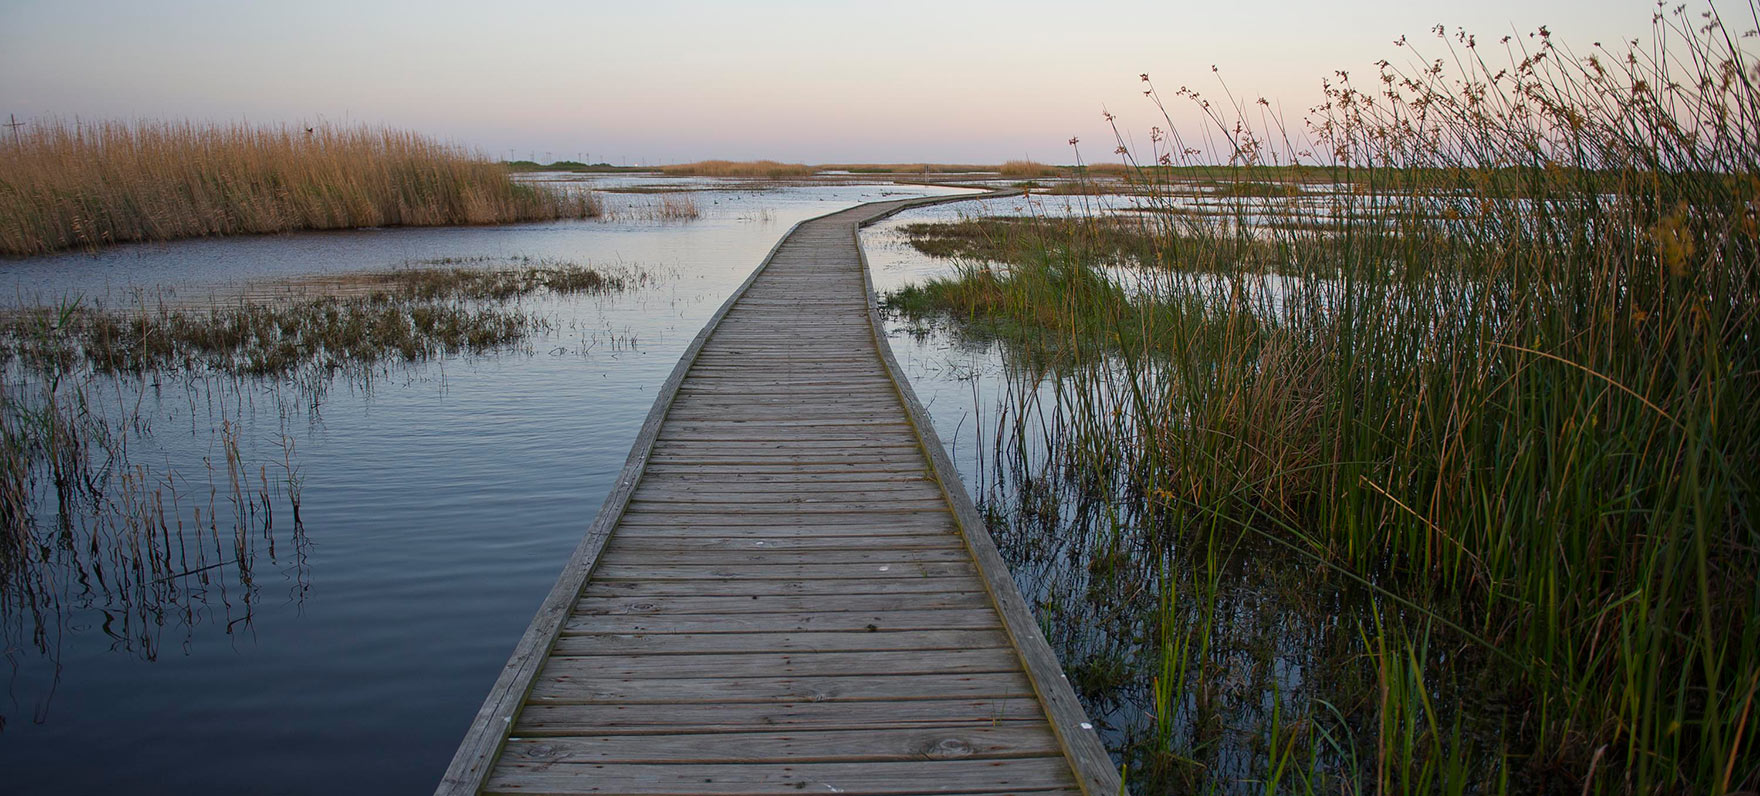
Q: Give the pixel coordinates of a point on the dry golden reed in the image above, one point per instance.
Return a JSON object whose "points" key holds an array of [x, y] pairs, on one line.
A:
{"points": [[906, 168], [748, 168], [1026, 168], [71, 185]]}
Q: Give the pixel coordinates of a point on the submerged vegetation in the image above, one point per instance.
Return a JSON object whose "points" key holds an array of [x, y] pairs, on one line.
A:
{"points": [[1453, 495], [407, 314], [666, 208], [86, 185], [89, 521]]}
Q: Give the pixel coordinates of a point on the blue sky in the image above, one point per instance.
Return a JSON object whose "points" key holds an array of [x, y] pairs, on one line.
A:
{"points": [[664, 81]]}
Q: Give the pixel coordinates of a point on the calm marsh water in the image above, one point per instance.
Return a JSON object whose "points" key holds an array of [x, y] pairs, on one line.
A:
{"points": [[438, 503]]}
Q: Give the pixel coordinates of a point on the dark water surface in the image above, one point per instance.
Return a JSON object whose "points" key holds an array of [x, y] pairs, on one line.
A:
{"points": [[438, 503]]}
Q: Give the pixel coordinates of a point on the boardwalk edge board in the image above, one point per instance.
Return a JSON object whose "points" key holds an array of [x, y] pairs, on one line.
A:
{"points": [[475, 762], [1081, 745]]}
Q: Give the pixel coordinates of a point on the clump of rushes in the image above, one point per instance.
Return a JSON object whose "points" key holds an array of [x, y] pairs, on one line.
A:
{"points": [[1021, 169], [747, 168], [666, 208], [1509, 394], [1026, 242], [93, 184], [403, 315]]}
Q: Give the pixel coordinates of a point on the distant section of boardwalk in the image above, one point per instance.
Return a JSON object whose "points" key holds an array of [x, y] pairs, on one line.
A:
{"points": [[788, 591]]}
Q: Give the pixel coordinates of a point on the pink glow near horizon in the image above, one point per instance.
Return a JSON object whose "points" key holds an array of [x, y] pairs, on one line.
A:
{"points": [[668, 81]]}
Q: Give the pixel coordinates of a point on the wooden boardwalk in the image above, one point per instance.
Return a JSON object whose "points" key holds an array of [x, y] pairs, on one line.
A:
{"points": [[789, 590]]}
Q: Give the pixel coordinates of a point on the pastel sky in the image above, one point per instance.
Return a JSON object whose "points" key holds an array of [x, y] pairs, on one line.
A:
{"points": [[667, 81]]}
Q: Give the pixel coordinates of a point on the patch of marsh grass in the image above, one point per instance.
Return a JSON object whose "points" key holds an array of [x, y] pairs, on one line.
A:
{"points": [[1507, 395], [83, 184], [402, 315], [1025, 169], [748, 168]]}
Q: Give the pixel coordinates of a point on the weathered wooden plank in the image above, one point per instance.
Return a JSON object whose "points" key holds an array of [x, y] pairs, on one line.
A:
{"points": [[761, 453], [791, 664], [921, 520], [661, 645], [557, 685], [761, 390], [828, 436], [854, 468], [742, 500], [765, 556], [652, 541], [747, 357], [608, 585], [783, 522], [1021, 775], [790, 367], [908, 570], [661, 491], [794, 622], [780, 603], [749, 534], [878, 403], [782, 485], [698, 718], [733, 409], [730, 480], [927, 743], [833, 504], [807, 387], [753, 433]]}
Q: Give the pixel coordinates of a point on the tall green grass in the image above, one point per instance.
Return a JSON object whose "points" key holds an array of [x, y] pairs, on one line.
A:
{"points": [[1505, 387], [72, 185]]}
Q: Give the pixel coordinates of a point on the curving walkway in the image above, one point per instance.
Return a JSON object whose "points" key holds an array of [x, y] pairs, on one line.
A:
{"points": [[789, 591]]}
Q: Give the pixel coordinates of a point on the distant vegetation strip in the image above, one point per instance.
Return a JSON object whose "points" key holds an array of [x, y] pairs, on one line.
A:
{"points": [[1014, 169], [82, 185], [729, 168], [356, 321]]}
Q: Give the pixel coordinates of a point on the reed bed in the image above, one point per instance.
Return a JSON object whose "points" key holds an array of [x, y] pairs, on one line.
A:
{"points": [[1024, 169], [87, 520], [158, 551], [83, 185], [906, 168], [1501, 391], [669, 207], [403, 315], [747, 168]]}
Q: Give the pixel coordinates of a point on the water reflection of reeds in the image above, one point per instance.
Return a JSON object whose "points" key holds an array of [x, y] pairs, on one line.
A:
{"points": [[149, 478], [154, 550]]}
